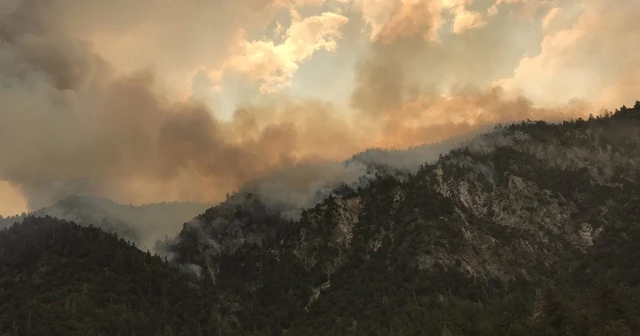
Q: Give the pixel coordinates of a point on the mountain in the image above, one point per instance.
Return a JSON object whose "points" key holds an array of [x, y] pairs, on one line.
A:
{"points": [[526, 208], [409, 160], [290, 189], [303, 186], [143, 224], [59, 278], [530, 229]]}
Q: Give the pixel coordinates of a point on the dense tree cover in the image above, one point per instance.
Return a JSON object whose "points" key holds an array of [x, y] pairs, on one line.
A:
{"points": [[113, 217], [413, 261], [383, 290], [57, 278]]}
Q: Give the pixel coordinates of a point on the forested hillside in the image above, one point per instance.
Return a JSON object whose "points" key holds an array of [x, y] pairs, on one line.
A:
{"points": [[532, 229], [58, 278], [141, 224], [474, 243]]}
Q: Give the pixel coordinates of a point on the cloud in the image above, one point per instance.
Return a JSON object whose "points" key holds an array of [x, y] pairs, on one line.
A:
{"points": [[431, 117], [275, 64], [119, 138], [522, 9], [582, 55], [72, 124], [304, 185], [11, 200], [394, 19], [120, 99], [465, 19], [403, 19]]}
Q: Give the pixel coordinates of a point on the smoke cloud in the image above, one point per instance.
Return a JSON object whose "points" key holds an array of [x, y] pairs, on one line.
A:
{"points": [[150, 101]]}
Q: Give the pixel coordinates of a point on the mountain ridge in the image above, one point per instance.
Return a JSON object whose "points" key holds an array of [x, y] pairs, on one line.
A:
{"points": [[143, 224], [513, 205], [531, 229]]}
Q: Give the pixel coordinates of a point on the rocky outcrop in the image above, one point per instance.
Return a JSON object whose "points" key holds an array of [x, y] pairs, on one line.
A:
{"points": [[520, 202]]}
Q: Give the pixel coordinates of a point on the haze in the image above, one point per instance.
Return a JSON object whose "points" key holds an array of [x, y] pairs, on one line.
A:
{"points": [[159, 100]]}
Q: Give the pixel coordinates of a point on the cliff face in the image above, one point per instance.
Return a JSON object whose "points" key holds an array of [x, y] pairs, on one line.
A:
{"points": [[509, 210]]}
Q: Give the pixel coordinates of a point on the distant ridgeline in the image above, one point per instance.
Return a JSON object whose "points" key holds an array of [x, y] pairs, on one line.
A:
{"points": [[531, 229], [140, 224]]}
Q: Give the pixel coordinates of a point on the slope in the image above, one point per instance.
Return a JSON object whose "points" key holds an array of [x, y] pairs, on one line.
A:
{"points": [[533, 229], [58, 278], [465, 244], [143, 224]]}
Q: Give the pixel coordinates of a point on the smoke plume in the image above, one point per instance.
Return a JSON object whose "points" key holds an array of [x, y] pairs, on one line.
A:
{"points": [[150, 101]]}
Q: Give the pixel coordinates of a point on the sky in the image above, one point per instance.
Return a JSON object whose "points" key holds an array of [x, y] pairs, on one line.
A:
{"points": [[161, 100]]}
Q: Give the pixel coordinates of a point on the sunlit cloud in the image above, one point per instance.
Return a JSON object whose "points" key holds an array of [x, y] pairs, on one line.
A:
{"points": [[156, 100], [275, 64]]}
